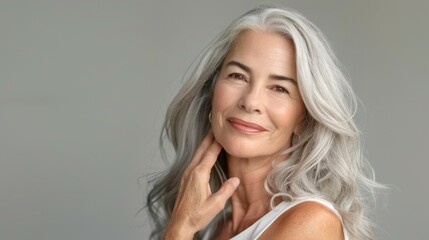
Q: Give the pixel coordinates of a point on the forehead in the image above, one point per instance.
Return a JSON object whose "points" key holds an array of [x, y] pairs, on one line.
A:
{"points": [[264, 50], [267, 38]]}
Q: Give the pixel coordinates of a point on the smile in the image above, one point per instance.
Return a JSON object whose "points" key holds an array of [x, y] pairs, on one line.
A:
{"points": [[245, 127]]}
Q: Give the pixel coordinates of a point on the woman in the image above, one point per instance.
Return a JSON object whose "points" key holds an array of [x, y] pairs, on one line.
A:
{"points": [[266, 146]]}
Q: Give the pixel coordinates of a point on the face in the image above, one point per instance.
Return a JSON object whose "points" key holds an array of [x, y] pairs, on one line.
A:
{"points": [[257, 106]]}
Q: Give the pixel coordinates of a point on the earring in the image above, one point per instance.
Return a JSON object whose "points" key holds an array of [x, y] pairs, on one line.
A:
{"points": [[210, 117]]}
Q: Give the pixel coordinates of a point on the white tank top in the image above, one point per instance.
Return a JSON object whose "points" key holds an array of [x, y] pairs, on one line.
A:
{"points": [[256, 229]]}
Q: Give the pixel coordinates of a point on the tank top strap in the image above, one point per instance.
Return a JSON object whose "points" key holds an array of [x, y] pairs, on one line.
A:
{"points": [[259, 227]]}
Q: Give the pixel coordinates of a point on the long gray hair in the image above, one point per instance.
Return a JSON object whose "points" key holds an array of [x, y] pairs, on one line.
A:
{"points": [[325, 160]]}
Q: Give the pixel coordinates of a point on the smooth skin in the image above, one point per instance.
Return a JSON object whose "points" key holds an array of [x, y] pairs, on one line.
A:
{"points": [[256, 110]]}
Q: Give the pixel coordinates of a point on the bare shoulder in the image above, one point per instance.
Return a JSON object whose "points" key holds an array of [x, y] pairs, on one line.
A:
{"points": [[307, 220]]}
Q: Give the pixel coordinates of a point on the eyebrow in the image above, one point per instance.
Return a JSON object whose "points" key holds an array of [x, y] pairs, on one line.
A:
{"points": [[248, 70]]}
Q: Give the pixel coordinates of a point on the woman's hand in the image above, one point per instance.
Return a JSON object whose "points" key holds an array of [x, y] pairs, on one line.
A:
{"points": [[195, 204]]}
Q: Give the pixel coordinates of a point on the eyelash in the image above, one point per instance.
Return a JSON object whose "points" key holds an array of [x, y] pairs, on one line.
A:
{"points": [[280, 89], [241, 77], [238, 76]]}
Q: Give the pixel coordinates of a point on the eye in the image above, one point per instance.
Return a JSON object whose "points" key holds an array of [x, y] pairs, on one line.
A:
{"points": [[280, 89], [238, 76]]}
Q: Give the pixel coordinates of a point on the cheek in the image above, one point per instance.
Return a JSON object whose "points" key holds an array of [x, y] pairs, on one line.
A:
{"points": [[217, 101], [286, 117], [281, 118], [217, 106], [222, 103], [223, 98]]}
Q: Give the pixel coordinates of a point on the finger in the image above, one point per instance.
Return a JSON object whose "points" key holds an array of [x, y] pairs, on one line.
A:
{"points": [[209, 189], [218, 199], [201, 173], [205, 144], [210, 155]]}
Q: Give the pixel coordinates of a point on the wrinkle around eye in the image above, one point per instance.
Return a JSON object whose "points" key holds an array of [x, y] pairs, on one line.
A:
{"points": [[281, 89], [237, 76]]}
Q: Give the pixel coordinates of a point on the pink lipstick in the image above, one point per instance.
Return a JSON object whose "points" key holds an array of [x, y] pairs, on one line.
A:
{"points": [[245, 127]]}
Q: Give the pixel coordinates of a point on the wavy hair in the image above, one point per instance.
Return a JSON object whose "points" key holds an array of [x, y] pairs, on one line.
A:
{"points": [[325, 160]]}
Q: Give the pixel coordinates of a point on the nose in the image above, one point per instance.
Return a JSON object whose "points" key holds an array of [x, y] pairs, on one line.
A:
{"points": [[251, 100]]}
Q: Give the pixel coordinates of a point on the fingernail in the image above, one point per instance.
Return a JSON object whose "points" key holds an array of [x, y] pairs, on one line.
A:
{"points": [[235, 181]]}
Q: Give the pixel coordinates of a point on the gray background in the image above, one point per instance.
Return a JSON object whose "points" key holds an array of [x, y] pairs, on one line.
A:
{"points": [[84, 86]]}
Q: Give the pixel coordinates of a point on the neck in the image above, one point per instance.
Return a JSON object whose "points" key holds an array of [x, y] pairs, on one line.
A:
{"points": [[250, 201]]}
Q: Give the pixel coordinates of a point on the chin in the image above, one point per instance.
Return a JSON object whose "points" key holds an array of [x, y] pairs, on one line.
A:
{"points": [[241, 146], [241, 150], [239, 153]]}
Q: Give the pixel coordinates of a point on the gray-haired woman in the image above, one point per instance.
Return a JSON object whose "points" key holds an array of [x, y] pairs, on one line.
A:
{"points": [[266, 146]]}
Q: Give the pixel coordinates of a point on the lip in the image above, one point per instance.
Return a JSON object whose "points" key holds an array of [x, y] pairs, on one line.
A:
{"points": [[245, 127]]}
